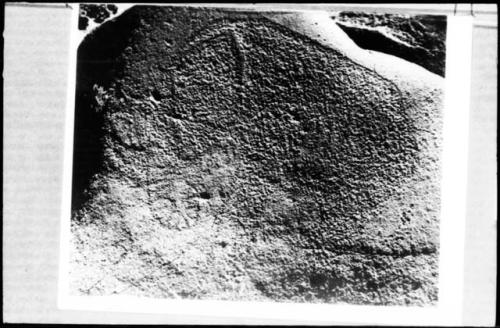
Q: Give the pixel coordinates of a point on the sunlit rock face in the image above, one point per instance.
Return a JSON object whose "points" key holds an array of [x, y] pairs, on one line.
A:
{"points": [[220, 155]]}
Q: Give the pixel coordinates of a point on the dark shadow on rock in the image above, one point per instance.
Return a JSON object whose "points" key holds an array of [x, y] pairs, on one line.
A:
{"points": [[97, 63]]}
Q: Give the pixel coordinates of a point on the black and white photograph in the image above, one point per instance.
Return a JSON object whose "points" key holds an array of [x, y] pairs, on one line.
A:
{"points": [[225, 154], [250, 163]]}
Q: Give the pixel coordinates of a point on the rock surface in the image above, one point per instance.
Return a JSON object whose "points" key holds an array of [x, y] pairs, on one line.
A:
{"points": [[420, 39], [221, 155]]}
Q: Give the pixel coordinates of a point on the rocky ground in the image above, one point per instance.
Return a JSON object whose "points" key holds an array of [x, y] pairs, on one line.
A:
{"points": [[223, 155], [420, 39]]}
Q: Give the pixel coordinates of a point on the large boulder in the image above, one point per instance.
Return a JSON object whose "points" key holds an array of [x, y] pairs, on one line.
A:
{"points": [[243, 156]]}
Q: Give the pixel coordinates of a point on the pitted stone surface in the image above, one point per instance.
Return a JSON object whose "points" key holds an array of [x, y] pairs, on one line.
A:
{"points": [[237, 159]]}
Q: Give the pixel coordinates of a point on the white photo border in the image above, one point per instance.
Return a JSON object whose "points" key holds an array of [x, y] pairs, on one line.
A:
{"points": [[448, 310]]}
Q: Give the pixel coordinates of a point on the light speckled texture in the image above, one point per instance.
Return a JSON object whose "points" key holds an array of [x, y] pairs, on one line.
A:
{"points": [[221, 155]]}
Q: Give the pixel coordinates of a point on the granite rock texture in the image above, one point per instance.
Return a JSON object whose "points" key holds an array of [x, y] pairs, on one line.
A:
{"points": [[420, 39], [220, 155]]}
